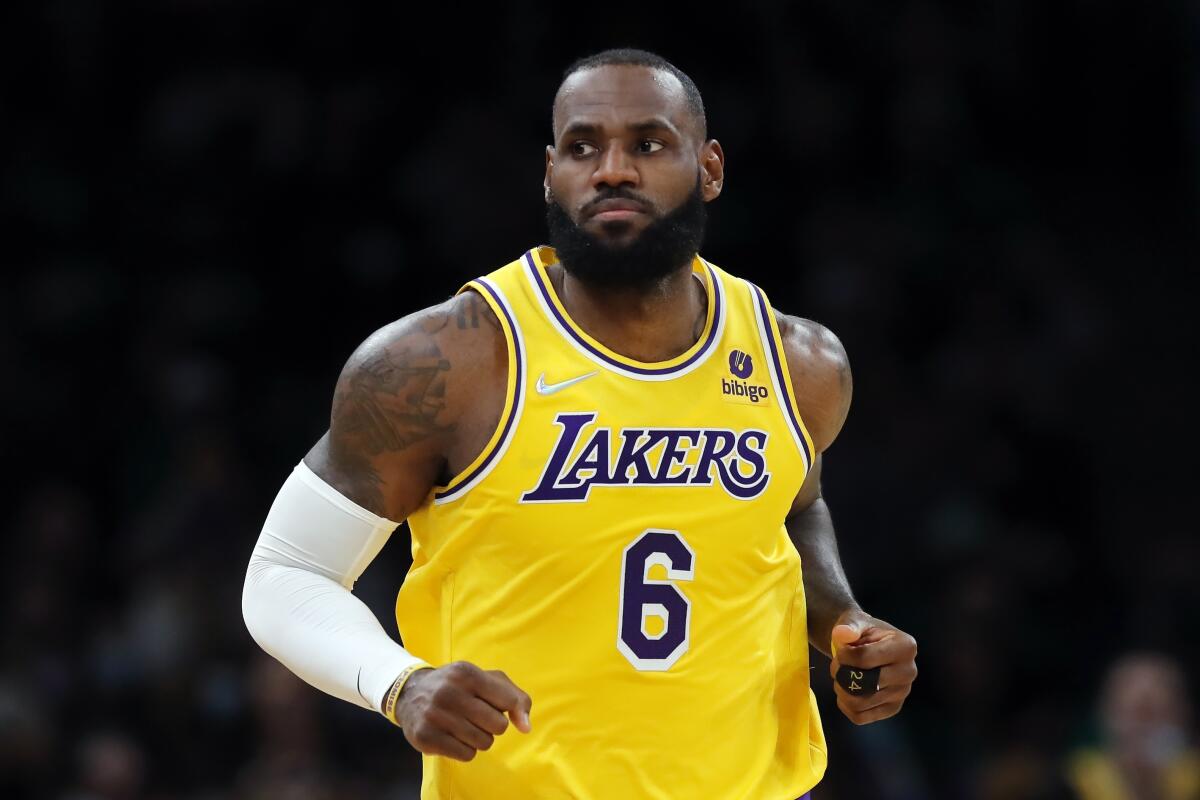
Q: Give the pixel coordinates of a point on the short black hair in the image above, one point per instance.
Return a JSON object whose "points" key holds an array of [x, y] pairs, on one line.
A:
{"points": [[628, 56]]}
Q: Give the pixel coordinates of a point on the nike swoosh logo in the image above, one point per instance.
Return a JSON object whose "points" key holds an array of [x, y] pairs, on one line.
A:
{"points": [[550, 388]]}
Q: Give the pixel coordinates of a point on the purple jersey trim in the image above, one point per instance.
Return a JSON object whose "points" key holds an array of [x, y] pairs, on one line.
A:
{"points": [[456, 487], [768, 331], [569, 327]]}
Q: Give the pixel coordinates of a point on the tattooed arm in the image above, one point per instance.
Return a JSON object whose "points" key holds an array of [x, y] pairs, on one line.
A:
{"points": [[414, 406], [416, 402]]}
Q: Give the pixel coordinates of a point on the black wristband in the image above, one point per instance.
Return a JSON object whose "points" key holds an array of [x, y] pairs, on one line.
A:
{"points": [[858, 681]]}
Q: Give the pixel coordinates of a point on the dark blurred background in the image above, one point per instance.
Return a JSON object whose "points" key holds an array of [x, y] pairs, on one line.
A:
{"points": [[208, 204]]}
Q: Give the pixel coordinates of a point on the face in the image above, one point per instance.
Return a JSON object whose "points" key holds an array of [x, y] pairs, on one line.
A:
{"points": [[628, 174], [1145, 706]]}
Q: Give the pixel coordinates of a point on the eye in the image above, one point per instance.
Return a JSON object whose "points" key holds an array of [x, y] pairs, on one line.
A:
{"points": [[649, 146], [582, 148]]}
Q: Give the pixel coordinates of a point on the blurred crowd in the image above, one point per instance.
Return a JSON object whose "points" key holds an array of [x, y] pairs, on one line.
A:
{"points": [[209, 204]]}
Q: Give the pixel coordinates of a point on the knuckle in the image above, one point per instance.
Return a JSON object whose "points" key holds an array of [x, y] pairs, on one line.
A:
{"points": [[443, 694], [494, 724], [421, 737], [461, 669], [436, 721]]}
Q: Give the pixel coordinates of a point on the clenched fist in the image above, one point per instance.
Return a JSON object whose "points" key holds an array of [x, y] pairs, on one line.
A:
{"points": [[862, 641], [458, 710]]}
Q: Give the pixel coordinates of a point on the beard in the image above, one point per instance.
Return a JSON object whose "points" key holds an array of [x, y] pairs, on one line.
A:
{"points": [[665, 245]]}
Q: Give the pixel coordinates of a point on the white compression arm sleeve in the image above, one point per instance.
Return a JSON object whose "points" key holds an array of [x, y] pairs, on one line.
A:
{"points": [[297, 601]]}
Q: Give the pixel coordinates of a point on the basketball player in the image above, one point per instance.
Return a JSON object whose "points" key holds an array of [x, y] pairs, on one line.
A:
{"points": [[609, 454]]}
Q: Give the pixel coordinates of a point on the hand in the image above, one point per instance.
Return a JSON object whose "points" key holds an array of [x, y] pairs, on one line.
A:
{"points": [[458, 710], [860, 640]]}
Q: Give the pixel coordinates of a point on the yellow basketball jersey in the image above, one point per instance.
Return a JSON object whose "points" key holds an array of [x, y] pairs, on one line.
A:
{"points": [[618, 550]]}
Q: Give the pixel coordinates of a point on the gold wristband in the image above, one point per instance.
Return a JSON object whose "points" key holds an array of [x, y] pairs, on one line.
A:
{"points": [[389, 702]]}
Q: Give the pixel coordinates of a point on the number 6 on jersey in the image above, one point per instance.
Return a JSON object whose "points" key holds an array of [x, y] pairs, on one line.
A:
{"points": [[643, 597]]}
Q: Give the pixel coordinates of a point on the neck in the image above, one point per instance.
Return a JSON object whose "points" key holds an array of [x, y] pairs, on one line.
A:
{"points": [[656, 323]]}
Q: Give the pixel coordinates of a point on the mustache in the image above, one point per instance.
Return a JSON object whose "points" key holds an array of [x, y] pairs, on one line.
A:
{"points": [[617, 193]]}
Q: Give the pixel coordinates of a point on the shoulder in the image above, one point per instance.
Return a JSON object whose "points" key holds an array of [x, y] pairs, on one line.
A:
{"points": [[404, 396], [460, 334], [821, 378]]}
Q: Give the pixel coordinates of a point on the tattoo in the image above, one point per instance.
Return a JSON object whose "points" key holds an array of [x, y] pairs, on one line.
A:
{"points": [[390, 402], [468, 312], [471, 309], [434, 323]]}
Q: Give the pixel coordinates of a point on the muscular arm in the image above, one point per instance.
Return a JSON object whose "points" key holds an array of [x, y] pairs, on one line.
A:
{"points": [[837, 626], [823, 385], [826, 589], [414, 404]]}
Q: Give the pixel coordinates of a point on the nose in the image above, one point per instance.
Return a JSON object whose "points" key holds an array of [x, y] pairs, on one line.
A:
{"points": [[615, 168]]}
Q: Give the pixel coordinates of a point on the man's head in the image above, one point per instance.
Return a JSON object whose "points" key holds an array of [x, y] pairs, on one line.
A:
{"points": [[630, 169], [1145, 709]]}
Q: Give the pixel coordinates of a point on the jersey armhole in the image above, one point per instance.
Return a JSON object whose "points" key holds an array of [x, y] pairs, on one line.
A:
{"points": [[514, 399], [781, 377]]}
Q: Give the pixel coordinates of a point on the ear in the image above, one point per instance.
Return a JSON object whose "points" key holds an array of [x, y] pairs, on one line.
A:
{"points": [[549, 170], [712, 170]]}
